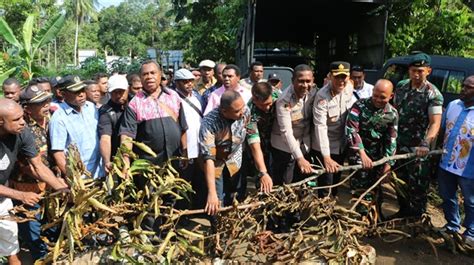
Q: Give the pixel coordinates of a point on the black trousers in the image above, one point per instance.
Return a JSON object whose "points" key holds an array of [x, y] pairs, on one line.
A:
{"points": [[284, 168], [327, 178]]}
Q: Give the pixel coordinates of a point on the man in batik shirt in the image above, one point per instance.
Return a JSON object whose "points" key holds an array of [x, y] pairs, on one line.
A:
{"points": [[221, 139]]}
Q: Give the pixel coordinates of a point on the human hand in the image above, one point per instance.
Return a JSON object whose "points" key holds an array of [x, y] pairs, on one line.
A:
{"points": [[212, 204], [304, 165], [422, 151], [266, 183], [183, 164], [331, 165], [29, 198], [366, 161], [108, 167], [64, 185]]}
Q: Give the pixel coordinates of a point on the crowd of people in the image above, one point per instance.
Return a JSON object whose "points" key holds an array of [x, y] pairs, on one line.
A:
{"points": [[230, 128]]}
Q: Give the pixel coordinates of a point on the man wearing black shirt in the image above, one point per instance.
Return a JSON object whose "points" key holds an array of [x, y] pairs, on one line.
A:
{"points": [[16, 139], [111, 117]]}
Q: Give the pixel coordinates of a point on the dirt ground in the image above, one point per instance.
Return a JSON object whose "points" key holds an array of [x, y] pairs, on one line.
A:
{"points": [[407, 251]]}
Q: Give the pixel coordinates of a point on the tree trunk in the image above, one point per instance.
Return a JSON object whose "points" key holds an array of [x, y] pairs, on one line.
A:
{"points": [[75, 41], [55, 55]]}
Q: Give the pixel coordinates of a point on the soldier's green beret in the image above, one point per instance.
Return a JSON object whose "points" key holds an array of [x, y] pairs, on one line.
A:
{"points": [[420, 59]]}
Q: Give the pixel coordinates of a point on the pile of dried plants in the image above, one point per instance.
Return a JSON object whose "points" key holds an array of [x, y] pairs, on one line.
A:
{"points": [[291, 224]]}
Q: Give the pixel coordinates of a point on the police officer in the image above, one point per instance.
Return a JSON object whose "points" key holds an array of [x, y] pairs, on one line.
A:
{"points": [[330, 108], [419, 104], [290, 136]]}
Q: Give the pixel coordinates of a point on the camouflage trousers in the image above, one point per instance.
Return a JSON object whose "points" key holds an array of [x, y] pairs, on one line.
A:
{"points": [[362, 179], [413, 196]]}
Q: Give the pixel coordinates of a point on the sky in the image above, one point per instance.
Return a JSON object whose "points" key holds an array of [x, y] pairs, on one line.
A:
{"points": [[107, 3]]}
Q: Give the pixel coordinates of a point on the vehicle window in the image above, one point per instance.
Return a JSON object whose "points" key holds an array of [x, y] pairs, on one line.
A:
{"points": [[396, 73], [438, 77], [454, 83], [285, 74]]}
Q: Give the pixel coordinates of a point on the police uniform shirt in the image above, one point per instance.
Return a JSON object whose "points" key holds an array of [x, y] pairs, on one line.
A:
{"points": [[291, 132], [329, 117]]}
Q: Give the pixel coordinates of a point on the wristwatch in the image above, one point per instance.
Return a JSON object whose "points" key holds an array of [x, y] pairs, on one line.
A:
{"points": [[425, 143], [261, 174]]}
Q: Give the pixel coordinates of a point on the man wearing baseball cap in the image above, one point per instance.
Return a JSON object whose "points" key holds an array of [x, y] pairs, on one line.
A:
{"points": [[110, 117], [76, 122], [36, 104], [193, 107], [420, 106], [57, 95], [206, 67], [275, 80], [330, 108]]}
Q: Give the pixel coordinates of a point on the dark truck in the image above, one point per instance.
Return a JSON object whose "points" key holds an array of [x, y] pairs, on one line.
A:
{"points": [[287, 33], [447, 73]]}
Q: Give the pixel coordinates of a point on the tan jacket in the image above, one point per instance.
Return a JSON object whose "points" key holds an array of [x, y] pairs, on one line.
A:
{"points": [[329, 118], [201, 87], [291, 132]]}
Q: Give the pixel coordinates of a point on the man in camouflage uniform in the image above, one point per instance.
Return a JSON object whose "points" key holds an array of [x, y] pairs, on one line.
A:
{"points": [[371, 129], [259, 129], [419, 104]]}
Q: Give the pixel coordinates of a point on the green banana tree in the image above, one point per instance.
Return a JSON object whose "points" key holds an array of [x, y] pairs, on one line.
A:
{"points": [[27, 49]]}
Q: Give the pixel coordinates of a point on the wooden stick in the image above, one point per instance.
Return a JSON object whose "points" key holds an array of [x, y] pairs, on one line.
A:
{"points": [[382, 161], [376, 163], [320, 172], [223, 209], [369, 190]]}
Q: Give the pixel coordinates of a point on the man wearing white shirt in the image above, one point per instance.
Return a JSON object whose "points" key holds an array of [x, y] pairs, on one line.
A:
{"points": [[362, 89], [231, 76], [193, 111]]}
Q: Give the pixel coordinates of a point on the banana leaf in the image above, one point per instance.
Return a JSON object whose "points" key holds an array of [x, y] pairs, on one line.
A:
{"points": [[48, 32], [7, 33], [28, 33]]}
